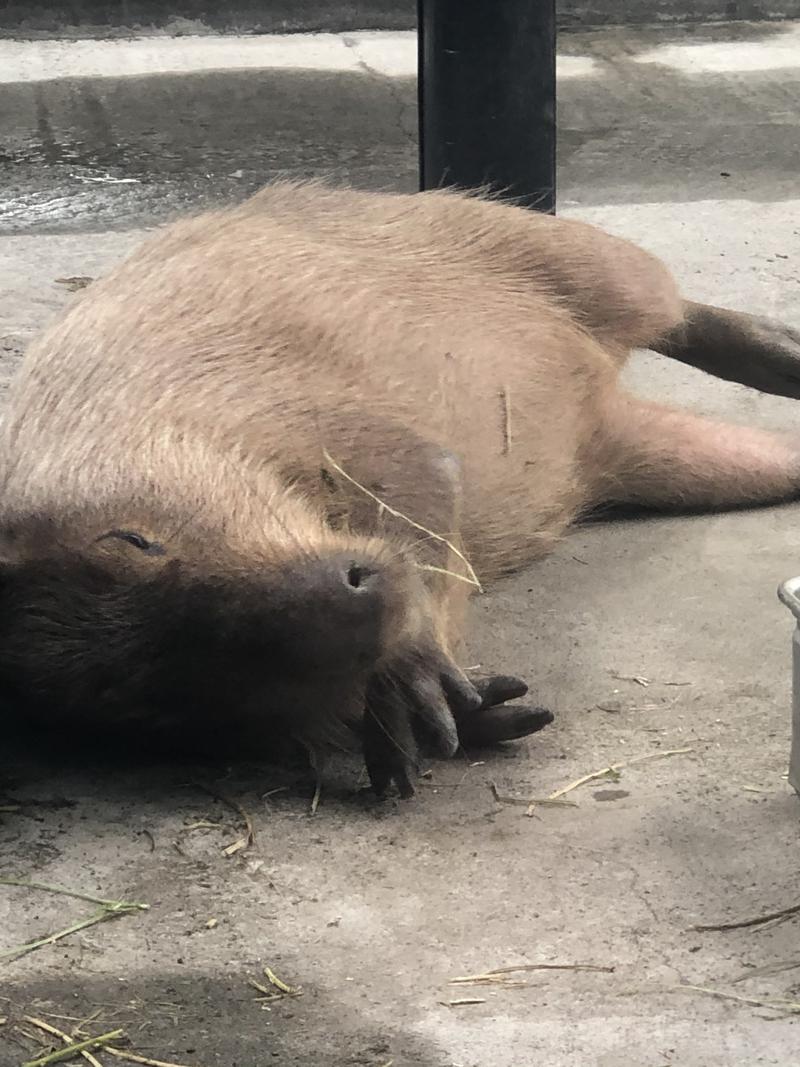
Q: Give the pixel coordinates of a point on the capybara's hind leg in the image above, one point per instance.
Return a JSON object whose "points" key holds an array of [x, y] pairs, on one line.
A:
{"points": [[615, 290], [741, 348], [628, 299], [654, 457]]}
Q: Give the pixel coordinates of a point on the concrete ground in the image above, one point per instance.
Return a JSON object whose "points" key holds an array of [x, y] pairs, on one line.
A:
{"points": [[125, 18], [643, 637]]}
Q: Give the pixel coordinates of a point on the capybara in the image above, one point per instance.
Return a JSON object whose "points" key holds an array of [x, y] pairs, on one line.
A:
{"points": [[250, 478]]}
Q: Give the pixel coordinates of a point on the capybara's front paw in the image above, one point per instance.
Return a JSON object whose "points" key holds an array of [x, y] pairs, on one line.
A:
{"points": [[423, 696], [419, 695]]}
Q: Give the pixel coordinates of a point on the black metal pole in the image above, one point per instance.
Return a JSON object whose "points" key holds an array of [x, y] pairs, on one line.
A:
{"points": [[487, 93]]}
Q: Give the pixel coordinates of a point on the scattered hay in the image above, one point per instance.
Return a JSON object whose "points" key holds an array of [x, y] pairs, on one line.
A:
{"points": [[318, 761], [529, 805], [638, 678], [613, 770], [248, 838], [461, 1001], [785, 1007], [505, 408], [555, 799], [134, 1057], [597, 968], [488, 979], [615, 707], [276, 990], [109, 909], [64, 892], [501, 975], [272, 792], [756, 920], [74, 1048], [470, 579], [81, 1048], [767, 970], [272, 978], [49, 1029]]}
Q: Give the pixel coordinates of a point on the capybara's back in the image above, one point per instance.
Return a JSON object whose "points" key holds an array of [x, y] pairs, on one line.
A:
{"points": [[308, 315]]}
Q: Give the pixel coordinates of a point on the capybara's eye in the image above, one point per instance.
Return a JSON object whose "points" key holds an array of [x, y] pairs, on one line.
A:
{"points": [[151, 548]]}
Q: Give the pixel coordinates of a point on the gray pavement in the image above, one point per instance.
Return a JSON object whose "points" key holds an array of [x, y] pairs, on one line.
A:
{"points": [[121, 18], [372, 908]]}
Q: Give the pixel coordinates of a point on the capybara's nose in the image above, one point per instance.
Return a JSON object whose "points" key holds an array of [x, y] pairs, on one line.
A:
{"points": [[339, 609], [339, 578], [352, 587], [359, 577]]}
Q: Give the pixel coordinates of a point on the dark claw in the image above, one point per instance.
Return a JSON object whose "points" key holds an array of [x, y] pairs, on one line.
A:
{"points": [[404, 786], [508, 722], [462, 696], [434, 712], [495, 720], [379, 778], [390, 750], [500, 688], [385, 764], [428, 700]]}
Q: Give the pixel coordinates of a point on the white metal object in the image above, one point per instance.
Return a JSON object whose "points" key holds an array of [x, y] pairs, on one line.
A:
{"points": [[789, 594]]}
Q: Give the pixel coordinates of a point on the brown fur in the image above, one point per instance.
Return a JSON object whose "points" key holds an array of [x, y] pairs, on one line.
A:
{"points": [[456, 356]]}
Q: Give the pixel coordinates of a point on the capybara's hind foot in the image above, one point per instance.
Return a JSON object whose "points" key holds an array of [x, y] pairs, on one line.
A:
{"points": [[756, 351], [777, 348]]}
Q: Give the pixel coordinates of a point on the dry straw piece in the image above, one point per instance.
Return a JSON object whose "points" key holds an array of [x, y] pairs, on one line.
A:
{"points": [[613, 770], [50, 1029], [109, 909], [74, 1049], [470, 579], [248, 838], [786, 1007], [756, 920], [134, 1057], [501, 975]]}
